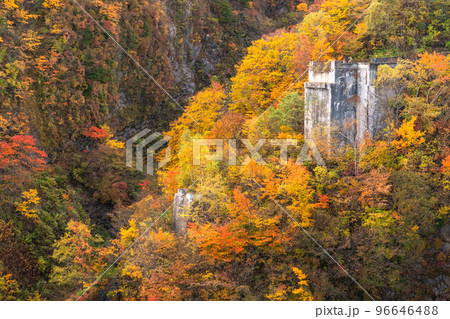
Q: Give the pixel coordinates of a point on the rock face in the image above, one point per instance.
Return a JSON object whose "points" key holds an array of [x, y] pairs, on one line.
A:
{"points": [[342, 102], [181, 203]]}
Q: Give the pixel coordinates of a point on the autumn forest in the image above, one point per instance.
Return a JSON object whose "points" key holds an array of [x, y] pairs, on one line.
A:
{"points": [[80, 78]]}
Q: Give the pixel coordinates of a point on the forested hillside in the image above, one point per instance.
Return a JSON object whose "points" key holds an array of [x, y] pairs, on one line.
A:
{"points": [[72, 93]]}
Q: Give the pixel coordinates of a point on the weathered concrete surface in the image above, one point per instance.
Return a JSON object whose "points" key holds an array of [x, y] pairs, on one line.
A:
{"points": [[342, 101], [181, 203]]}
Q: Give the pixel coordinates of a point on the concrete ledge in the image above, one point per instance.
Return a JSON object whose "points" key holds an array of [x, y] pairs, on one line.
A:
{"points": [[317, 85]]}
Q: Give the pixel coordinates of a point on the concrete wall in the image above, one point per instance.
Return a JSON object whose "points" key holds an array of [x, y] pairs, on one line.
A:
{"points": [[344, 99], [181, 204], [322, 72], [341, 98], [318, 112]]}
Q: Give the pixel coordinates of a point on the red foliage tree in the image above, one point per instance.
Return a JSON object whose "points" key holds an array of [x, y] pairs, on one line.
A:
{"points": [[19, 159], [96, 133]]}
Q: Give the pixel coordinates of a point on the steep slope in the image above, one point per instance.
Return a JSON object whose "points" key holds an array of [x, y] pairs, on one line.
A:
{"points": [[58, 67]]}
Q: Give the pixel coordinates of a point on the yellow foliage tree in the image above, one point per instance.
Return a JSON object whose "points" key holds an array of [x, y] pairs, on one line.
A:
{"points": [[28, 207], [290, 293], [129, 235], [51, 4], [332, 29], [115, 144], [297, 194], [407, 136], [31, 40], [10, 4], [265, 73], [201, 113], [79, 257], [300, 292], [9, 288], [199, 119]]}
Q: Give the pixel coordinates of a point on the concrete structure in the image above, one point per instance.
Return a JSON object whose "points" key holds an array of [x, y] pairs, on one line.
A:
{"points": [[342, 101], [181, 204]]}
